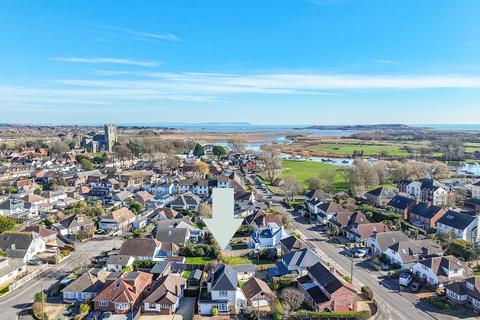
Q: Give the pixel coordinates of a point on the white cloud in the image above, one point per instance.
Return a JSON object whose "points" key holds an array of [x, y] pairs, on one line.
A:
{"points": [[383, 61], [120, 32], [108, 60], [216, 87]]}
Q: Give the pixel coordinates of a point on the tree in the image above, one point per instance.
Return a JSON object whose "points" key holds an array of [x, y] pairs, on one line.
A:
{"points": [[237, 146], [219, 151], [121, 151], [205, 210], [291, 187], [202, 167], [453, 149], [6, 223], [198, 151], [272, 163], [361, 176], [327, 179], [314, 183], [136, 207], [292, 299], [86, 164], [58, 148]]}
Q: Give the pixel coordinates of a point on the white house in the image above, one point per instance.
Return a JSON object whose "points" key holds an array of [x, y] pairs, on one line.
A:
{"points": [[223, 293], [21, 245], [268, 237], [117, 220], [118, 262], [460, 225], [440, 271], [476, 190], [10, 269]]}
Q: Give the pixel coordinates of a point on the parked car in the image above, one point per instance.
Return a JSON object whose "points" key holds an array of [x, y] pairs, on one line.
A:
{"points": [[415, 286], [52, 250], [360, 253], [405, 279], [34, 262], [100, 231]]}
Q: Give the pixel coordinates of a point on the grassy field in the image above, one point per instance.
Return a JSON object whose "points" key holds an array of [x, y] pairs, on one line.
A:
{"points": [[197, 260], [302, 170], [347, 149]]}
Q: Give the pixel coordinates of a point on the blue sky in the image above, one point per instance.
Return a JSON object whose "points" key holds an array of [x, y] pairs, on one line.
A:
{"points": [[268, 62]]}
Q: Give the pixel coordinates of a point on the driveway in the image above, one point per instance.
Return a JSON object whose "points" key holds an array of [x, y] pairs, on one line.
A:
{"points": [[184, 312]]}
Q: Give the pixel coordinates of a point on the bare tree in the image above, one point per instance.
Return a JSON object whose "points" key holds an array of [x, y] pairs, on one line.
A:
{"points": [[205, 210], [237, 146], [291, 187], [327, 179], [361, 176], [314, 183], [272, 164], [292, 299], [453, 149]]}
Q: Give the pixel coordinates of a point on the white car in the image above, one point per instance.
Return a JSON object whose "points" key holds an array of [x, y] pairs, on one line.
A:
{"points": [[360, 253], [405, 279], [52, 250]]}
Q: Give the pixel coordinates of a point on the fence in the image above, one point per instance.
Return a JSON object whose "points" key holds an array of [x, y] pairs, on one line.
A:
{"points": [[18, 283]]}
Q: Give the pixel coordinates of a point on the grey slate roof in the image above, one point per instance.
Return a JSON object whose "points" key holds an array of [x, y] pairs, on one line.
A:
{"points": [[386, 239], [303, 258], [457, 220], [223, 277]]}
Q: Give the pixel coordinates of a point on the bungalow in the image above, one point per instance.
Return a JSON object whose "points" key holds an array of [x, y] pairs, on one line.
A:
{"points": [[465, 292], [123, 294], [143, 197], [379, 242], [290, 244], [10, 269], [459, 224], [119, 219], [85, 287], [245, 271], [324, 291], [424, 216], [147, 249], [327, 210], [165, 214], [220, 291], [298, 262], [441, 271], [186, 201], [165, 295], [118, 262], [75, 224], [258, 293], [360, 232], [406, 253]]}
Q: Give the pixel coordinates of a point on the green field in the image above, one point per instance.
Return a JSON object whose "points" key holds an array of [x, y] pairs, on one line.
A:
{"points": [[197, 260], [346, 149], [302, 170]]}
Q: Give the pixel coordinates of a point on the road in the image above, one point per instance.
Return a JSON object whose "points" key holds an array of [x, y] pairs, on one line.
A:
{"points": [[21, 298]]}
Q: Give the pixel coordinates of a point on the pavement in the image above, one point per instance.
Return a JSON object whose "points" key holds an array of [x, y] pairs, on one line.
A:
{"points": [[20, 299]]}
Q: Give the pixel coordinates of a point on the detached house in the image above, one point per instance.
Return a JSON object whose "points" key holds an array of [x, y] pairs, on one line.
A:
{"points": [[402, 204], [325, 292], [296, 262], [460, 225], [268, 237], [147, 249], [117, 220], [326, 211], [165, 295], [186, 201], [258, 293], [75, 224], [406, 253], [21, 245], [465, 292], [220, 291], [85, 287], [123, 294], [441, 271], [426, 190]]}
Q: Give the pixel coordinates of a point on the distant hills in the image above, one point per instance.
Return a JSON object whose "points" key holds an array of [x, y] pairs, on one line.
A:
{"points": [[363, 127]]}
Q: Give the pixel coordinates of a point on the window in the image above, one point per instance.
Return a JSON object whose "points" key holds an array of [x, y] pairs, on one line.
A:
{"points": [[103, 303], [223, 293], [122, 305], [223, 307], [152, 305]]}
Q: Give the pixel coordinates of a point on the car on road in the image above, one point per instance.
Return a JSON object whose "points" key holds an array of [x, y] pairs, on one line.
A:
{"points": [[34, 262], [360, 252], [404, 279]]}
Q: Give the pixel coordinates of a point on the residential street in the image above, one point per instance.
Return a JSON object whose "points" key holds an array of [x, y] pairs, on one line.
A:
{"points": [[16, 301]]}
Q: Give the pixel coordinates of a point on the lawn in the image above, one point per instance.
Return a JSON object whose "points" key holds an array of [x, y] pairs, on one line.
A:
{"points": [[235, 261], [197, 260], [347, 149], [303, 170], [186, 274]]}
